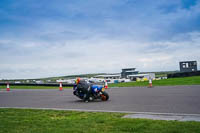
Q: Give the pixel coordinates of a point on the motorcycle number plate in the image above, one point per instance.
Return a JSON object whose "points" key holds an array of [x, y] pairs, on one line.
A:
{"points": [[103, 89]]}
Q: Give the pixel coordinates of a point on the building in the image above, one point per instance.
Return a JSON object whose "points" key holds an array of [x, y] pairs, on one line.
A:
{"points": [[146, 76], [17, 82], [68, 81], [188, 66], [111, 76], [128, 71], [39, 82], [127, 75]]}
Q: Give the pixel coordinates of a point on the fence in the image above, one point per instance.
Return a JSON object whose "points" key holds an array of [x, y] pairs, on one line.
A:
{"points": [[183, 74]]}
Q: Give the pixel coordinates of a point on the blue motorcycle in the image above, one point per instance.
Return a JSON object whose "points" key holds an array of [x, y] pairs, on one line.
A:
{"points": [[97, 92]]}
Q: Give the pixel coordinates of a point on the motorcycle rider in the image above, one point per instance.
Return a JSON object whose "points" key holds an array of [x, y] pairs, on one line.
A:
{"points": [[83, 86]]}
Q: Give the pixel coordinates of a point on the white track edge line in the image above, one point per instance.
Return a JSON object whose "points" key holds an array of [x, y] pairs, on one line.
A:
{"points": [[111, 111]]}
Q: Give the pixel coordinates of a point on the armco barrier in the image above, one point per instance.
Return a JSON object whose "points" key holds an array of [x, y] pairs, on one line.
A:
{"points": [[183, 74], [26, 84]]}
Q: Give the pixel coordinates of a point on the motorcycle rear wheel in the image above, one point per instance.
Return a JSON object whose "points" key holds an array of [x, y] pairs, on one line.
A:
{"points": [[104, 96]]}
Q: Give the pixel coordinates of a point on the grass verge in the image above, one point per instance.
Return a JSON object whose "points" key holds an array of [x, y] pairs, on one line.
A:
{"points": [[32, 87], [195, 80], [51, 121]]}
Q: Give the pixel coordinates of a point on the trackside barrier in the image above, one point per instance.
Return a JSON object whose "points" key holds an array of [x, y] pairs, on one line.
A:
{"points": [[183, 74], [33, 84]]}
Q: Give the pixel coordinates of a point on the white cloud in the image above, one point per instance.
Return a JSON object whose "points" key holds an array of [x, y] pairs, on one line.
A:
{"points": [[105, 38], [99, 55]]}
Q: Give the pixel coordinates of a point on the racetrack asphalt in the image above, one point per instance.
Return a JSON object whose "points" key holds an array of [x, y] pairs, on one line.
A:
{"points": [[162, 99]]}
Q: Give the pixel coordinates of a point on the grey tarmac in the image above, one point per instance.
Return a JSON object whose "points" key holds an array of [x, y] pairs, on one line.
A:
{"points": [[160, 100]]}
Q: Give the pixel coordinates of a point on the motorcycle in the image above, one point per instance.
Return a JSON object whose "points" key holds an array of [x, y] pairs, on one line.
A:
{"points": [[97, 92]]}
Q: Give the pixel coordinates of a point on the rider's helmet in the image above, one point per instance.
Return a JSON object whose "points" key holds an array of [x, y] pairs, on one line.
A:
{"points": [[78, 80]]}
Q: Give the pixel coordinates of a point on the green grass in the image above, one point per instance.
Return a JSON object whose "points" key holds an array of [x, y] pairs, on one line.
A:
{"points": [[195, 80], [32, 87], [51, 121]]}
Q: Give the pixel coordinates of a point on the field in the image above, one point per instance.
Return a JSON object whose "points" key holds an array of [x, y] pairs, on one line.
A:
{"points": [[51, 121], [195, 80]]}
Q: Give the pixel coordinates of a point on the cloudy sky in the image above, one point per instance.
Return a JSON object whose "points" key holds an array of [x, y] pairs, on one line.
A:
{"points": [[44, 38]]}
